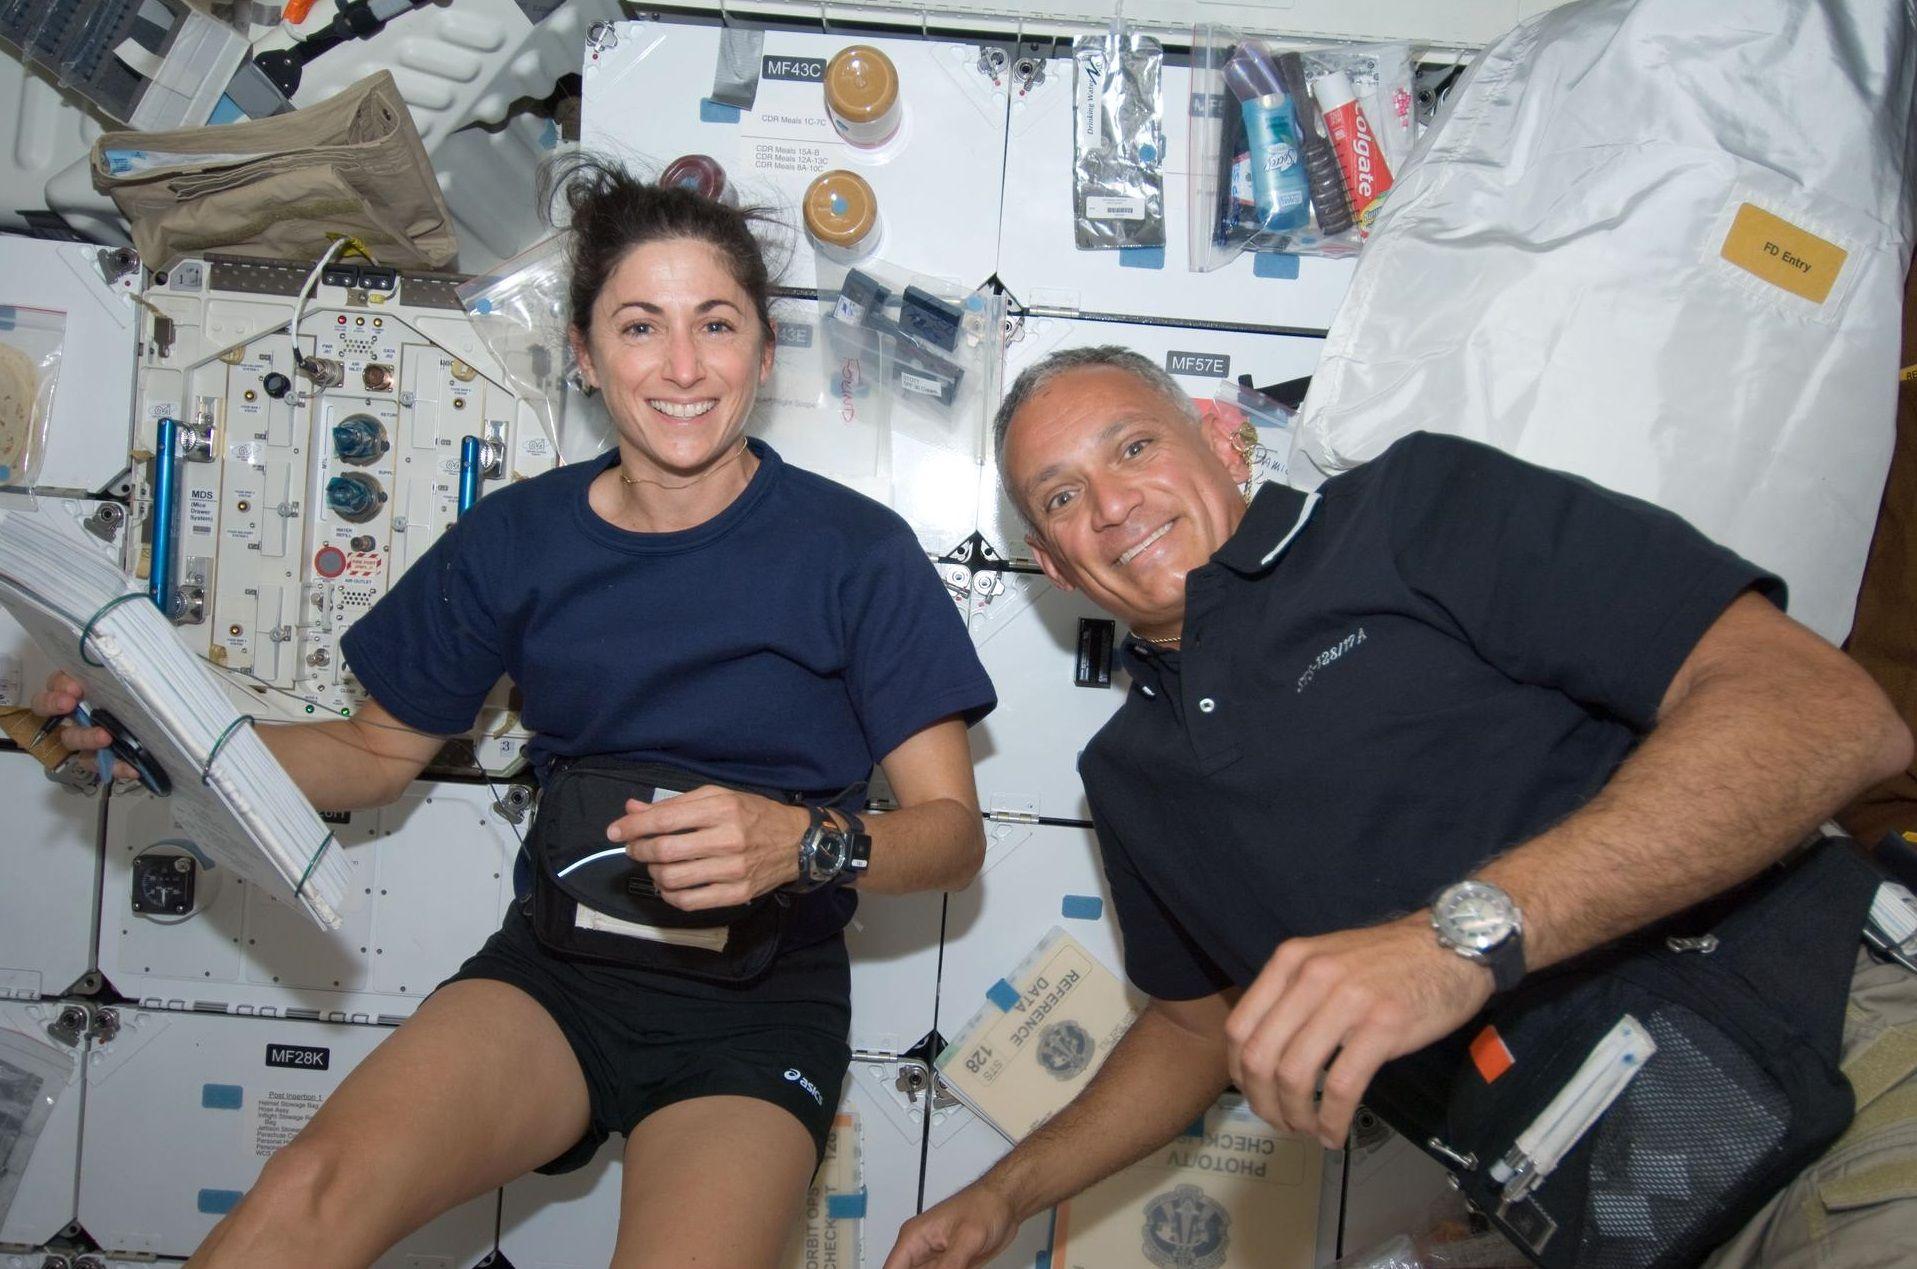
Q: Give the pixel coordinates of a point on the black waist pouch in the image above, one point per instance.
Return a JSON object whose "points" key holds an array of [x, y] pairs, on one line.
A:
{"points": [[592, 902], [1636, 1109]]}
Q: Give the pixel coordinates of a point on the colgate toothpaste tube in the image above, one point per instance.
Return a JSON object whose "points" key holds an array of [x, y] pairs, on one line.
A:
{"points": [[1361, 158]]}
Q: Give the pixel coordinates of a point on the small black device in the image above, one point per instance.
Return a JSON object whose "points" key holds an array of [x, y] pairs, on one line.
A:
{"points": [[163, 884]]}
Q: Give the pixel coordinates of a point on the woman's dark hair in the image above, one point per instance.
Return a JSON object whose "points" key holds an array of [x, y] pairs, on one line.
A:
{"points": [[610, 211]]}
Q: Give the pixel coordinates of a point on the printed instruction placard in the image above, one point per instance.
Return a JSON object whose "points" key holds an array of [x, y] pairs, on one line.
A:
{"points": [[1234, 1193], [1042, 1034]]}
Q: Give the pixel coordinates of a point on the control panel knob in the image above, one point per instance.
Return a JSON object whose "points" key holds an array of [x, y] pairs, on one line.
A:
{"points": [[355, 497]]}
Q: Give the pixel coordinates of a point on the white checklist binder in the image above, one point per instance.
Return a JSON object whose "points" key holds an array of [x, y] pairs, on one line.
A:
{"points": [[228, 793]]}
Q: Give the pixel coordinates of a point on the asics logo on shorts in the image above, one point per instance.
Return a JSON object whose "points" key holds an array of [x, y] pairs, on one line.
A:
{"points": [[793, 1074]]}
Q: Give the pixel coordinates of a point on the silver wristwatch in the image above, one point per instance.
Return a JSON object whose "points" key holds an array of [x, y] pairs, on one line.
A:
{"points": [[826, 852], [1482, 923]]}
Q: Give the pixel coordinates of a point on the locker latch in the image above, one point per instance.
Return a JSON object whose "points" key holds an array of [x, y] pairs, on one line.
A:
{"points": [[69, 1026]]}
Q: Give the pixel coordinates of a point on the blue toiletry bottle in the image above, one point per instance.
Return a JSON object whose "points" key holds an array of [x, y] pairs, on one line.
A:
{"points": [[1281, 196]]}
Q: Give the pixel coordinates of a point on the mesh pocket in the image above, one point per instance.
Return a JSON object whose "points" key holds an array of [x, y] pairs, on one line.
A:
{"points": [[1698, 1120]]}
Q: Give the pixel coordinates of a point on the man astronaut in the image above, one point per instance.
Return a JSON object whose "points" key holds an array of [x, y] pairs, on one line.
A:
{"points": [[1448, 684]]}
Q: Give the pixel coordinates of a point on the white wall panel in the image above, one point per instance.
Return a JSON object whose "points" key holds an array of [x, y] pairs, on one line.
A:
{"points": [[435, 876], [937, 181], [183, 1111], [45, 1202]]}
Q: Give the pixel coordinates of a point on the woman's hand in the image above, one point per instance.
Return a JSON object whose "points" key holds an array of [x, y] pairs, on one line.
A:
{"points": [[713, 847], [63, 695]]}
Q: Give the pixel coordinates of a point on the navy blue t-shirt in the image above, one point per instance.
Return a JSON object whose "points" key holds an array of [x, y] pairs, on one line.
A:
{"points": [[790, 642]]}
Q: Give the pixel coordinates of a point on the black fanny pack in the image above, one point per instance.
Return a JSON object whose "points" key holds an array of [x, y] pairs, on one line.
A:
{"points": [[1638, 1107], [592, 902]]}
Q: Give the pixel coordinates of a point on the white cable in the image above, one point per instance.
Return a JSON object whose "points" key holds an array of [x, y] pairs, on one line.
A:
{"points": [[299, 305]]}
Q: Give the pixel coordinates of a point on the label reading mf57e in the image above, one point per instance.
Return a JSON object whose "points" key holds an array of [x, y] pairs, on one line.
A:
{"points": [[1783, 254]]}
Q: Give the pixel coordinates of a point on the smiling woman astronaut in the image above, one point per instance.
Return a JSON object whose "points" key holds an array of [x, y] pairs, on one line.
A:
{"points": [[690, 602]]}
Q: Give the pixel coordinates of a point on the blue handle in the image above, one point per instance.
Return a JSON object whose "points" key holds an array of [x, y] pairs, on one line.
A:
{"points": [[166, 511], [470, 472]]}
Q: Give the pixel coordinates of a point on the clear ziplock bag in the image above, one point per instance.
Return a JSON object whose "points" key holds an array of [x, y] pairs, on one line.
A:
{"points": [[1293, 150], [519, 311], [927, 347], [31, 343]]}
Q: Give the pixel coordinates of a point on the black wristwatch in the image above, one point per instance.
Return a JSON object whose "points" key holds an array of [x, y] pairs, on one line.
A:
{"points": [[828, 853]]}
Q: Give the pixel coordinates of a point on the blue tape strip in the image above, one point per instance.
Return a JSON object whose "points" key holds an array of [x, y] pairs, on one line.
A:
{"points": [[1274, 264], [220, 1202], [1141, 257], [711, 111], [1003, 994], [1196, 1128], [845, 1207], [227, 111], [222, 1097], [1043, 1260], [1082, 907]]}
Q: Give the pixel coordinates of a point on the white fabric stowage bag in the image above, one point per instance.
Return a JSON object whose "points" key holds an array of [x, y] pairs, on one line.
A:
{"points": [[1662, 245]]}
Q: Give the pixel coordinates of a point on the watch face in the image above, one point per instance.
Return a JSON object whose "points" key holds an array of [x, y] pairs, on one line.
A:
{"points": [[829, 859], [1475, 915]]}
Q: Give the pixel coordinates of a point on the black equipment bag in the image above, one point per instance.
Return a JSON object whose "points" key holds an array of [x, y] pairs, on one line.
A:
{"points": [[575, 867], [1744, 998]]}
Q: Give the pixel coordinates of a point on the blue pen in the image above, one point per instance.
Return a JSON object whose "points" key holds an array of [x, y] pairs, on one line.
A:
{"points": [[102, 758]]}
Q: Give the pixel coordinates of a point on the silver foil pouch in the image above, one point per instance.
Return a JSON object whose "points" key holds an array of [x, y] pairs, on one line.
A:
{"points": [[1118, 152]]}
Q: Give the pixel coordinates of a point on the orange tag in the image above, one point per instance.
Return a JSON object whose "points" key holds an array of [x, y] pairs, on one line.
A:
{"points": [[1783, 254], [1490, 1055]]}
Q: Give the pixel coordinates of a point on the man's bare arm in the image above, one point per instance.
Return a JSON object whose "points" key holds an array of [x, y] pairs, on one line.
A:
{"points": [[1169, 1067], [1765, 731]]}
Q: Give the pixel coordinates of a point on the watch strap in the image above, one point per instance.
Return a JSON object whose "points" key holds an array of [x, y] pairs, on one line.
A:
{"points": [[858, 846], [1506, 961], [808, 880]]}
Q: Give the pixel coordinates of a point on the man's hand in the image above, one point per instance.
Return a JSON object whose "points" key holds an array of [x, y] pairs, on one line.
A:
{"points": [[965, 1230], [1365, 996], [713, 847]]}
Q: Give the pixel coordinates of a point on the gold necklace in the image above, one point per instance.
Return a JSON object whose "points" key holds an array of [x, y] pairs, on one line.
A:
{"points": [[716, 468]]}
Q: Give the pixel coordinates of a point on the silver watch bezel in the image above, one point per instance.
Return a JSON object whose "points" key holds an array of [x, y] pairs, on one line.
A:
{"points": [[1474, 945]]}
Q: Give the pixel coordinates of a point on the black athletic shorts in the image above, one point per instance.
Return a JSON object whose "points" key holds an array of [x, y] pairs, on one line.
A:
{"points": [[646, 1040]]}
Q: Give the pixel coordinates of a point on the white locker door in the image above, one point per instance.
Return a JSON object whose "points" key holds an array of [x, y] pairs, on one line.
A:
{"points": [[50, 873], [44, 1203], [937, 180], [1040, 264], [184, 1109], [894, 942], [1030, 635], [49, 877], [1036, 876], [435, 876], [572, 1221]]}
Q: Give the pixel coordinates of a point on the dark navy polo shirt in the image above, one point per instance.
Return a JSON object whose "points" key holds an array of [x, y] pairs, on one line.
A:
{"points": [[1382, 685], [789, 642]]}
